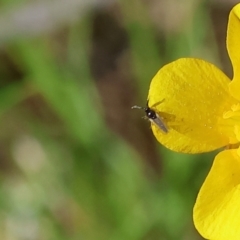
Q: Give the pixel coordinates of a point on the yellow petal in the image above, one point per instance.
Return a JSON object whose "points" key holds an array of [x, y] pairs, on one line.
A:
{"points": [[233, 46], [190, 95], [217, 209]]}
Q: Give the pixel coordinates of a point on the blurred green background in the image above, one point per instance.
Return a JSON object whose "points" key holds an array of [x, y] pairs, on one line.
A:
{"points": [[75, 161]]}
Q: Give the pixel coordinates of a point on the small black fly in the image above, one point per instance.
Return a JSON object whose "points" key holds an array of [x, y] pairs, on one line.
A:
{"points": [[153, 117]]}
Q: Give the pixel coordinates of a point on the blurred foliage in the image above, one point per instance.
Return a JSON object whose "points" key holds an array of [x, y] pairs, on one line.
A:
{"points": [[76, 162]]}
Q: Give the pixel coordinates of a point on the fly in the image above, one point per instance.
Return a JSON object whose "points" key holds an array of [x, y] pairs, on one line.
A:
{"points": [[153, 117]]}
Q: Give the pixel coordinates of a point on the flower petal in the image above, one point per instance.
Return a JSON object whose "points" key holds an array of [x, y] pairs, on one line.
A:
{"points": [[233, 46], [190, 95], [216, 212]]}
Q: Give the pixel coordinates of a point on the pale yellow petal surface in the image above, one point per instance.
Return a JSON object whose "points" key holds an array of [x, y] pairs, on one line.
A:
{"points": [[190, 95], [217, 209], [233, 46]]}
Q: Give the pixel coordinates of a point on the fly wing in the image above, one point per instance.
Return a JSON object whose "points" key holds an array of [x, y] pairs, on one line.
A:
{"points": [[159, 123]]}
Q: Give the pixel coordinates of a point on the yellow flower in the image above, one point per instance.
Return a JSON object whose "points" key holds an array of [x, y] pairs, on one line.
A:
{"points": [[200, 106]]}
